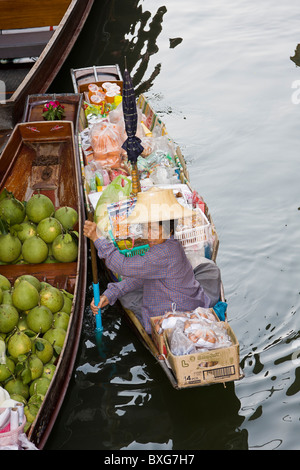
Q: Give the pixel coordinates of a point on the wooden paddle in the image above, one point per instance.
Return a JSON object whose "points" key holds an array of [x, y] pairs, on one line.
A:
{"points": [[96, 288]]}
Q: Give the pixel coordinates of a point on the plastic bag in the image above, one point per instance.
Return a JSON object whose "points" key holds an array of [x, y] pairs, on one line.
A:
{"points": [[106, 143], [96, 175], [114, 192]]}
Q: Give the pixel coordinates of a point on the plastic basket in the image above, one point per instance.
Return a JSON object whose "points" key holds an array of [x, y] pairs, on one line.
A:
{"points": [[195, 235], [12, 437], [129, 252]]}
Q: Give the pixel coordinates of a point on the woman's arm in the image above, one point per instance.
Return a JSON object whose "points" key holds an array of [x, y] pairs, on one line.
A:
{"points": [[115, 290]]}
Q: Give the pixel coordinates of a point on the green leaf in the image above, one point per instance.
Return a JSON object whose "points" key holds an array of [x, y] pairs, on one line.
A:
{"points": [[4, 227], [39, 346], [67, 294], [22, 358]]}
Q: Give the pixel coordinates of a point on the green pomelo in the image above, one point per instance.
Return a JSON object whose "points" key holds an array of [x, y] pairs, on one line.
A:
{"points": [[67, 216], [67, 306], [43, 349], [9, 318], [12, 210], [56, 336], [65, 248], [61, 320], [34, 250], [25, 230], [7, 297], [36, 366], [4, 283], [49, 370], [30, 411], [19, 343], [40, 319], [48, 229], [10, 248], [28, 277], [18, 398], [16, 386], [36, 400], [7, 369], [25, 296], [39, 207], [1, 295], [52, 298], [39, 386]]}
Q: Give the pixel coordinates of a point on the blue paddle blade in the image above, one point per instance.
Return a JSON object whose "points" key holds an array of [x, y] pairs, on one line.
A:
{"points": [[96, 301]]}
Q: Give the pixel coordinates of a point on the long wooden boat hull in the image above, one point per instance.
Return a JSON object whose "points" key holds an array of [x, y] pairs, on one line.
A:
{"points": [[18, 175], [45, 69], [81, 78]]}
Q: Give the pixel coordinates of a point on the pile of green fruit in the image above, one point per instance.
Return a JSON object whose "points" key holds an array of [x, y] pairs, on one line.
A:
{"points": [[34, 232], [34, 318]]}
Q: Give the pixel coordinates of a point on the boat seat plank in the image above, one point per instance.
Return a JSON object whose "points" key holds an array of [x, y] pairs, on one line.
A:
{"points": [[32, 13], [23, 44]]}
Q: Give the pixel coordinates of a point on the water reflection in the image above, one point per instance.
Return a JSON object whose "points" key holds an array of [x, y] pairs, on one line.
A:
{"points": [[296, 56], [116, 30]]}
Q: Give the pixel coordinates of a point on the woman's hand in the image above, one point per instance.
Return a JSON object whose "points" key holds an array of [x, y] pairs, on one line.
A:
{"points": [[90, 230], [103, 302]]}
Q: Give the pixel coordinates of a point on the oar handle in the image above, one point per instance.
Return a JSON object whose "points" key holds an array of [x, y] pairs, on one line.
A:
{"points": [[96, 301], [96, 287]]}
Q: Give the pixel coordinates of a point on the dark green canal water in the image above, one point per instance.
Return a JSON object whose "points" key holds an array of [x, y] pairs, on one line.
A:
{"points": [[221, 77]]}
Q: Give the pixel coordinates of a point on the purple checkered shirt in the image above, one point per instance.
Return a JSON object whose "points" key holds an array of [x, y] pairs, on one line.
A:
{"points": [[164, 272]]}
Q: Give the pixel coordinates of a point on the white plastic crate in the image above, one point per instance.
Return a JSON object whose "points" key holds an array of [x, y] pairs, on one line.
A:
{"points": [[195, 235]]}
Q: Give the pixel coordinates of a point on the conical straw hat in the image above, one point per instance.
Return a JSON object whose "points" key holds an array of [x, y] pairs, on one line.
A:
{"points": [[155, 205]]}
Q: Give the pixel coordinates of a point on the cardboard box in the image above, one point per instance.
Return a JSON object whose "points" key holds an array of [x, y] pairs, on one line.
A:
{"points": [[158, 339], [214, 366]]}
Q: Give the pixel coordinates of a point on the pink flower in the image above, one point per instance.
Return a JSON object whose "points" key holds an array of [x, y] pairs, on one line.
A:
{"points": [[53, 104]]}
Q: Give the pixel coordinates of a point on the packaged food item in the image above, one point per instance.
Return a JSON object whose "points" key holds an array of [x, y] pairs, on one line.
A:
{"points": [[106, 144], [192, 331], [96, 176]]}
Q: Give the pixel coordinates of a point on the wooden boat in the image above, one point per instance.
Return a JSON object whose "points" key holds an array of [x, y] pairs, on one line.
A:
{"points": [[22, 80], [81, 78], [22, 173]]}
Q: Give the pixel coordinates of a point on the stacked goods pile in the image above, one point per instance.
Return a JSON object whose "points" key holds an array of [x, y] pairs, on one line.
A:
{"points": [[35, 232], [34, 318], [108, 176], [191, 332]]}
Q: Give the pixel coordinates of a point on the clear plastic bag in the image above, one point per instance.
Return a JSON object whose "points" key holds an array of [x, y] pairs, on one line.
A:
{"points": [[106, 143], [96, 175]]}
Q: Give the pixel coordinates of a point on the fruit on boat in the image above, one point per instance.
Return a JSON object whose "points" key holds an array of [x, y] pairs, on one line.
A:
{"points": [[9, 318], [39, 319], [25, 296], [28, 277], [39, 207], [34, 250], [10, 248], [67, 216], [19, 343], [52, 298], [65, 248], [12, 210], [48, 229]]}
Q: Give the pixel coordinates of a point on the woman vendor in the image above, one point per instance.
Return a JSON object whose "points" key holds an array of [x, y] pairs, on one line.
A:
{"points": [[164, 272]]}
